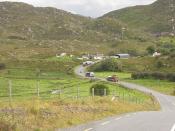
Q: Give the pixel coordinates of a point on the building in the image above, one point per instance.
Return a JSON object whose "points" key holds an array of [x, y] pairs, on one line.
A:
{"points": [[122, 56], [156, 54]]}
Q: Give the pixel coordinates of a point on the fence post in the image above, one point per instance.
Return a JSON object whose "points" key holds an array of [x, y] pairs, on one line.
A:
{"points": [[60, 93], [105, 92], [78, 93], [113, 93], [38, 89], [123, 96], [93, 94], [10, 92]]}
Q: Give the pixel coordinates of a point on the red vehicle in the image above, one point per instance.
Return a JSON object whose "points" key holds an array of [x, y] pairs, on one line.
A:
{"points": [[112, 78]]}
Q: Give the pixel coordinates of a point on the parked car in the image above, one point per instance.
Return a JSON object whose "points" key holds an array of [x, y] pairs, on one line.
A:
{"points": [[90, 74], [112, 78], [87, 63]]}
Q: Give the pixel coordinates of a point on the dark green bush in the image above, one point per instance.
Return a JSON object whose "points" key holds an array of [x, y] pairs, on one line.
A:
{"points": [[2, 66], [99, 89], [107, 65], [155, 75]]}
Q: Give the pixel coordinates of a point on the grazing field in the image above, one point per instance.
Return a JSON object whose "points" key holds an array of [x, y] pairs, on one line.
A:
{"points": [[25, 110], [120, 75], [46, 95], [162, 86]]}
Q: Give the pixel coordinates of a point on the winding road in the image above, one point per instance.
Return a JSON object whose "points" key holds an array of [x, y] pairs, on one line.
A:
{"points": [[163, 120]]}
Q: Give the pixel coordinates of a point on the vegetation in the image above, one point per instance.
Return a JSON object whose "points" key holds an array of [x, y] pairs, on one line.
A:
{"points": [[154, 75], [100, 90], [2, 66], [54, 114], [162, 86], [107, 65]]}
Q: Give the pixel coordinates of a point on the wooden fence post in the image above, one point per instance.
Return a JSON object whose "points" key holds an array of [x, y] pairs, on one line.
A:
{"points": [[78, 93], [105, 92], [93, 93], [38, 89], [10, 92]]}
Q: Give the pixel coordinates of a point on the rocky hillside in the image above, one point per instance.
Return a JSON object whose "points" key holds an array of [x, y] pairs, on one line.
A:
{"points": [[27, 31], [152, 18]]}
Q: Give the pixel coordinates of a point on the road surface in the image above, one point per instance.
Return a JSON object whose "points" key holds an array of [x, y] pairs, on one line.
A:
{"points": [[163, 120]]}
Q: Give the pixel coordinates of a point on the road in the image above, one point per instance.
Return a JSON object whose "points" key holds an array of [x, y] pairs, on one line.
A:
{"points": [[163, 120]]}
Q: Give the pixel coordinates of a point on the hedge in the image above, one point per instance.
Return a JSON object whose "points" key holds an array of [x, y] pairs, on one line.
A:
{"points": [[154, 75], [2, 66], [99, 89]]}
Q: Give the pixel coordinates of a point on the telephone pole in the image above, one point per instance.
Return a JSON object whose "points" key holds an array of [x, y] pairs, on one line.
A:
{"points": [[172, 19]]}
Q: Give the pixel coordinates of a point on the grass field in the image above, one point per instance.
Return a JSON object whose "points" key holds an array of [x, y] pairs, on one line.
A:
{"points": [[120, 75], [64, 99], [162, 86], [51, 111]]}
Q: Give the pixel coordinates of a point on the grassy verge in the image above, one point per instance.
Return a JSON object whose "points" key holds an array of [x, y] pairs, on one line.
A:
{"points": [[53, 114], [162, 86]]}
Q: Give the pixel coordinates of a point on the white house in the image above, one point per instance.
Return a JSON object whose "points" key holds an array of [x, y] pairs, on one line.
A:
{"points": [[156, 54]]}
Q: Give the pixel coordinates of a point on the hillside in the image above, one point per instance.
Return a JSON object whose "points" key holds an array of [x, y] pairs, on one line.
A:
{"points": [[27, 31], [41, 31], [151, 18]]}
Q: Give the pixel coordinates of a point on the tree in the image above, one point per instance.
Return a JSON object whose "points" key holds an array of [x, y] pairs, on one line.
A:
{"points": [[150, 49]]}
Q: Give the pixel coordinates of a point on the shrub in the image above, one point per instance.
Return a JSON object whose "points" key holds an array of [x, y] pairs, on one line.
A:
{"points": [[159, 64], [171, 77], [107, 65], [2, 66], [99, 89], [174, 92], [150, 49], [155, 75]]}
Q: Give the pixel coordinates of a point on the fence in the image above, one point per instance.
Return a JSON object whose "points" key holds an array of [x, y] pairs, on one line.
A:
{"points": [[17, 90]]}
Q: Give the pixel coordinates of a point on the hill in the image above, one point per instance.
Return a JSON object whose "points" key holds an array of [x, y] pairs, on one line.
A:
{"points": [[152, 18], [36, 30], [27, 31]]}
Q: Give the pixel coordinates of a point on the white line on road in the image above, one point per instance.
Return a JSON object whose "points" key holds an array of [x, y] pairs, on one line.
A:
{"points": [[104, 123], [173, 128], [89, 129], [128, 115], [118, 118]]}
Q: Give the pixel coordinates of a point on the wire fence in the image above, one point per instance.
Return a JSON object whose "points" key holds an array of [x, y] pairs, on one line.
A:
{"points": [[12, 90]]}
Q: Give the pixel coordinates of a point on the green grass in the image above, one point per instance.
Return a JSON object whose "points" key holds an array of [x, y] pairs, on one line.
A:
{"points": [[120, 75], [158, 85], [162, 86]]}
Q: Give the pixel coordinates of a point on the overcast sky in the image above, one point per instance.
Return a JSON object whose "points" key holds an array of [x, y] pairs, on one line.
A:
{"points": [[92, 8]]}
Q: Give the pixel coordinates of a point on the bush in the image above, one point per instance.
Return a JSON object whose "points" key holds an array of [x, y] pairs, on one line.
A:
{"points": [[107, 65], [155, 75], [2, 66], [171, 77], [99, 89], [151, 50]]}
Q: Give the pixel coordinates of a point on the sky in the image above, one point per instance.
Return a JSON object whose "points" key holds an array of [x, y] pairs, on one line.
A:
{"points": [[91, 8]]}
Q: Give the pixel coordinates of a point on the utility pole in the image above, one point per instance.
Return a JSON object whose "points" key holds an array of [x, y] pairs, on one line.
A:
{"points": [[123, 31], [172, 19]]}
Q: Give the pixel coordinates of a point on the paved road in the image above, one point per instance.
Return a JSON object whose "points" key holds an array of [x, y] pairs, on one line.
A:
{"points": [[163, 120]]}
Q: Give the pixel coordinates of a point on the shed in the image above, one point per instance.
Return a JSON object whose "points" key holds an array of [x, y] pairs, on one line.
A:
{"points": [[122, 56]]}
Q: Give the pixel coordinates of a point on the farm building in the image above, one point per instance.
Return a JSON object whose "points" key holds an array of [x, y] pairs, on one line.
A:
{"points": [[122, 56]]}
